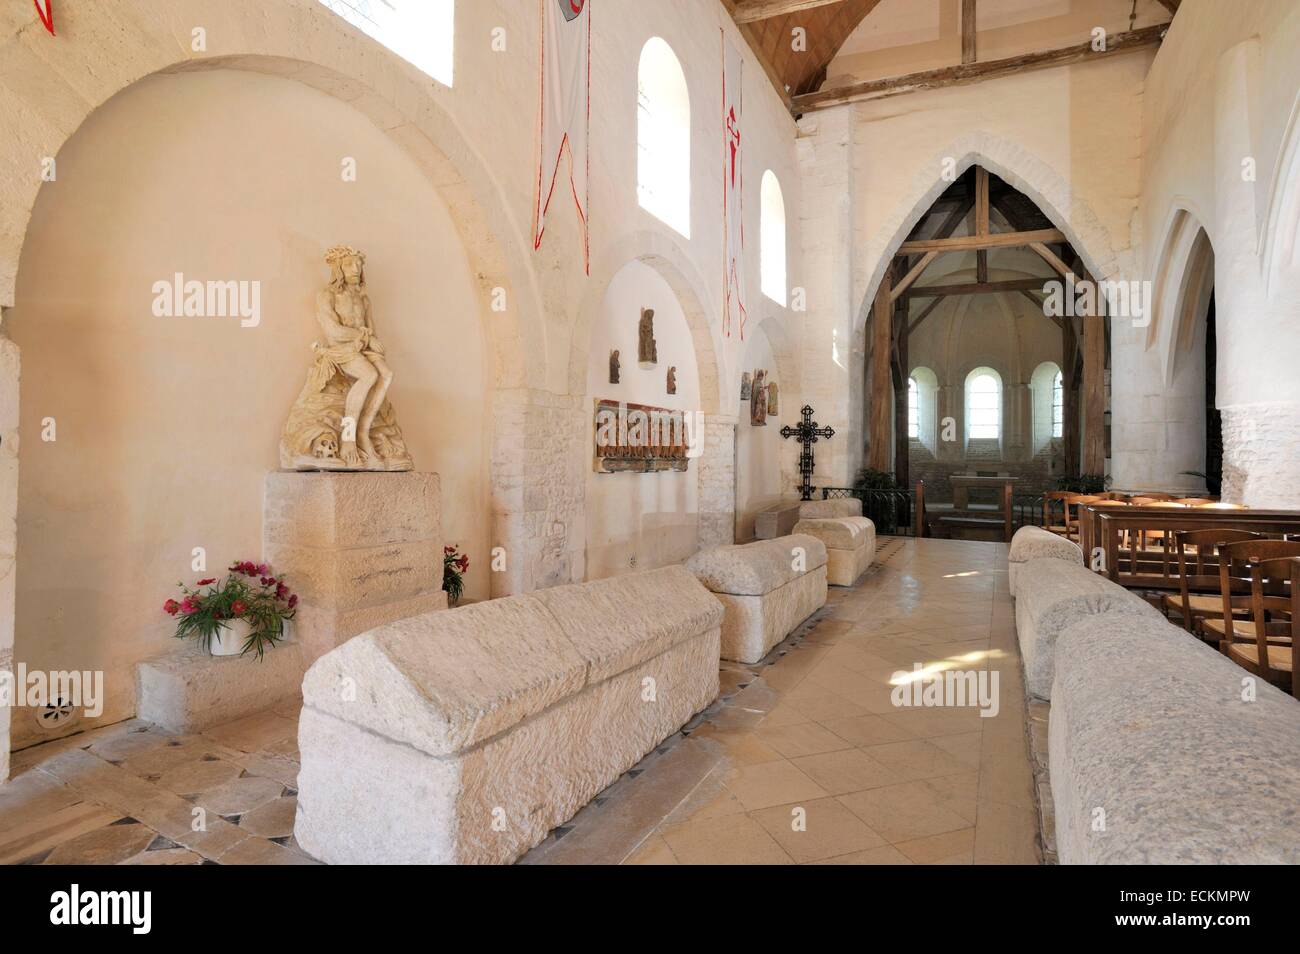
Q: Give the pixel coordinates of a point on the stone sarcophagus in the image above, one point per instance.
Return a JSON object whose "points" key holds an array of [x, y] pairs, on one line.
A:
{"points": [[767, 588], [465, 736]]}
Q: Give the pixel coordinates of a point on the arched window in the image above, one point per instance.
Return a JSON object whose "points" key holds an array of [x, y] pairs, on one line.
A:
{"points": [[1058, 404], [663, 137], [771, 238], [422, 32], [913, 409], [983, 405]]}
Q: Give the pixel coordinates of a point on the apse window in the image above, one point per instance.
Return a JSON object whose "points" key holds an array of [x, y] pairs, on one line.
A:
{"points": [[1058, 404], [771, 238], [913, 409], [419, 31], [663, 137], [983, 406]]}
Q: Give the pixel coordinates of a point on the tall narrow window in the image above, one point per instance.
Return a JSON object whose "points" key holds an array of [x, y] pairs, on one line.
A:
{"points": [[663, 137], [771, 238], [1058, 404], [422, 32], [913, 409], [983, 405]]}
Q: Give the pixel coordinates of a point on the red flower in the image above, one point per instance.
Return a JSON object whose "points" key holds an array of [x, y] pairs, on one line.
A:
{"points": [[238, 608], [263, 569], [448, 549], [281, 591], [170, 607], [188, 605], [463, 563], [293, 601], [211, 579]]}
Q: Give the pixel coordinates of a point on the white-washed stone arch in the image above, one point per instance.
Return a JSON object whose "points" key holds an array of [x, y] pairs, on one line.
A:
{"points": [[50, 86], [1020, 169], [671, 263], [295, 39], [716, 463]]}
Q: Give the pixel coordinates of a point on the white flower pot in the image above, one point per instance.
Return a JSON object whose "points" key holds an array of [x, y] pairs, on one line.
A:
{"points": [[230, 638]]}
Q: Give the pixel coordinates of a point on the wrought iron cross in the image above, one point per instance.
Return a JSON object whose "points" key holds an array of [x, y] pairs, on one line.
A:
{"points": [[807, 432]]}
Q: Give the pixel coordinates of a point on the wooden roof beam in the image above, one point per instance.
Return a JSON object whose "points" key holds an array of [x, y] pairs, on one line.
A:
{"points": [[748, 11], [969, 243], [979, 288], [968, 73]]}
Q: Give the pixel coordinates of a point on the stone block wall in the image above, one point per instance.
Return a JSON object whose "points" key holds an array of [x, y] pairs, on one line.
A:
{"points": [[9, 373], [717, 478]]}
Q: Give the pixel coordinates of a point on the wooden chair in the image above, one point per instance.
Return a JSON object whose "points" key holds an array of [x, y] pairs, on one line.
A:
{"points": [[1198, 596], [1071, 504], [1146, 537], [1238, 575], [1050, 499], [1266, 644]]}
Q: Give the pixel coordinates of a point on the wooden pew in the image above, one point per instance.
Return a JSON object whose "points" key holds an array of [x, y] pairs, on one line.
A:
{"points": [[1104, 526]]}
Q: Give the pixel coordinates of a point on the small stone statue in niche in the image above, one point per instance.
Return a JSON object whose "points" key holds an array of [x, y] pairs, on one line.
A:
{"points": [[672, 379], [758, 402], [647, 354], [745, 386], [342, 419], [772, 404], [613, 366]]}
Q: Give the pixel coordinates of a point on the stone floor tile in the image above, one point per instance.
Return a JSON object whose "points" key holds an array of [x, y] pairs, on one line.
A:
{"points": [[803, 738], [917, 759], [1006, 835], [740, 746], [903, 812], [272, 820], [39, 834], [653, 851], [239, 796], [198, 775], [731, 840], [817, 829], [884, 855], [949, 848], [166, 856], [868, 730], [844, 771], [255, 732], [109, 845], [771, 783]]}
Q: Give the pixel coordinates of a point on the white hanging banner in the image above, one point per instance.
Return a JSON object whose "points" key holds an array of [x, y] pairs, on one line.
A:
{"points": [[565, 110], [733, 183]]}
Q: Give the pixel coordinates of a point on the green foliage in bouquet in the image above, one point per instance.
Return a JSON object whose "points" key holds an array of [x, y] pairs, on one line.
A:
{"points": [[454, 567], [249, 592]]}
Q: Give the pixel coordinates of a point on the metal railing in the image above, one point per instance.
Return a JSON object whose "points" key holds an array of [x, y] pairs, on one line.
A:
{"points": [[890, 510]]}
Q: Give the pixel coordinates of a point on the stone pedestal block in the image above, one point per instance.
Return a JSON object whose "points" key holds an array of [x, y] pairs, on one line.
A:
{"points": [[187, 690], [777, 520], [360, 549]]}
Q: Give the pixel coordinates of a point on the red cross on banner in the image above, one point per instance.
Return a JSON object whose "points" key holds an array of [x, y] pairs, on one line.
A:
{"points": [[46, 14], [733, 283], [565, 110]]}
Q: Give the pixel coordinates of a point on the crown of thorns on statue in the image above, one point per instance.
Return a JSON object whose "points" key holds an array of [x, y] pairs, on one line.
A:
{"points": [[338, 253]]}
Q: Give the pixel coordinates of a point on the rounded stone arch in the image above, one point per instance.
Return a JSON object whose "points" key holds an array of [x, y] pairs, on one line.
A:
{"points": [[1280, 242], [303, 42], [1183, 281], [1020, 169], [787, 368], [671, 263]]}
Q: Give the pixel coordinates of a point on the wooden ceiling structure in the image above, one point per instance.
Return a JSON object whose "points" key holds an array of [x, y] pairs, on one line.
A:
{"points": [[1001, 218], [798, 72]]}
